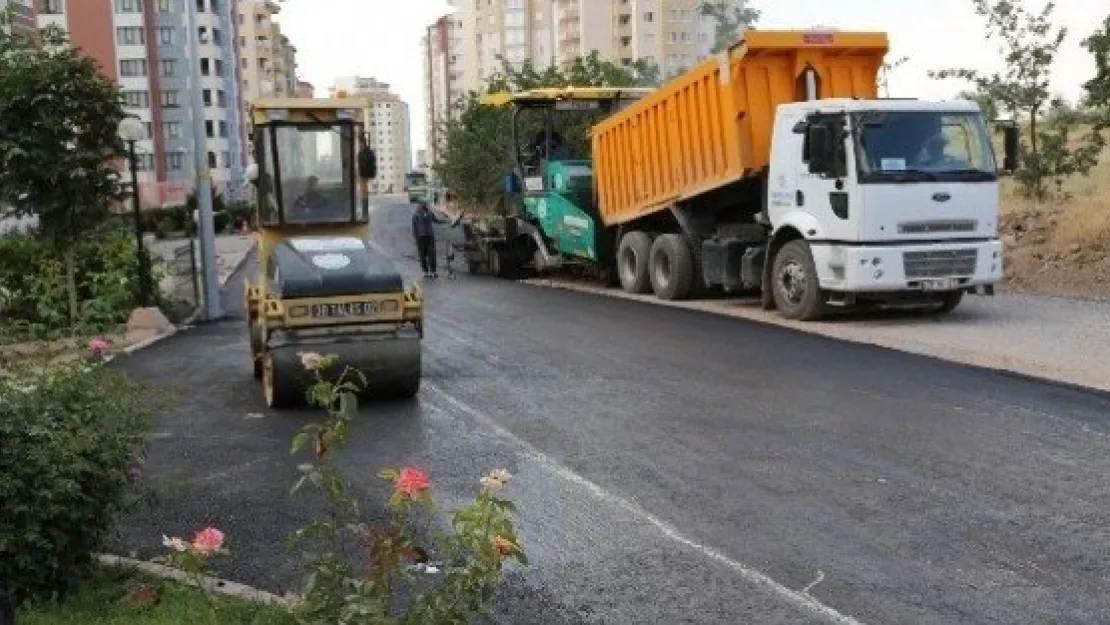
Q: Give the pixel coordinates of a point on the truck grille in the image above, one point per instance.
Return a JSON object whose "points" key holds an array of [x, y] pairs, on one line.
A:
{"points": [[937, 225], [940, 264]]}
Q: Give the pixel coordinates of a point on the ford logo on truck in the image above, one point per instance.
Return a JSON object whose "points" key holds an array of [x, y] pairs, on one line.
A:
{"points": [[941, 197]]}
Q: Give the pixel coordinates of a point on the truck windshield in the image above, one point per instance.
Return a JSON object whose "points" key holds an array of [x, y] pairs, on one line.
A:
{"points": [[922, 147], [316, 171]]}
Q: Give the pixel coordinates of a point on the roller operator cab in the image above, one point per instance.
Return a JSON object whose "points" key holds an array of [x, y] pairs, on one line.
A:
{"points": [[874, 201], [322, 286]]}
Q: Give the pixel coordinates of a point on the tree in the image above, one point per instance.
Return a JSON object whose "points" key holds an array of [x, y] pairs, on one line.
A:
{"points": [[475, 151], [59, 148], [983, 99], [1029, 43], [731, 19], [887, 69], [1098, 88]]}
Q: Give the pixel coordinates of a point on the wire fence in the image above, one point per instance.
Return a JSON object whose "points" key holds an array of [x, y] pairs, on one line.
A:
{"points": [[182, 277]]}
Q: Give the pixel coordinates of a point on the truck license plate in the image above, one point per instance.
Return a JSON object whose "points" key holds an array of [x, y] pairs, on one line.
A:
{"points": [[347, 309], [942, 284]]}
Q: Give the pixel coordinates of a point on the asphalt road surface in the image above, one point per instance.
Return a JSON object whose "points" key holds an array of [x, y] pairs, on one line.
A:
{"points": [[677, 467]]}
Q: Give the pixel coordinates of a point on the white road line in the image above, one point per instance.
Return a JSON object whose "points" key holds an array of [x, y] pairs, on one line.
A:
{"points": [[797, 599]]}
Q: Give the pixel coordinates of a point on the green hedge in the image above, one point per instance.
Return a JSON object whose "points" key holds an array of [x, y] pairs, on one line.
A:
{"points": [[33, 298]]}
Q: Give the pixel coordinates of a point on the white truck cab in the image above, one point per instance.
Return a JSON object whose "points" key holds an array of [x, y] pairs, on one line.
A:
{"points": [[895, 200]]}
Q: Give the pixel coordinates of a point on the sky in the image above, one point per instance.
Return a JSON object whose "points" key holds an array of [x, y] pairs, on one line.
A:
{"points": [[381, 38]]}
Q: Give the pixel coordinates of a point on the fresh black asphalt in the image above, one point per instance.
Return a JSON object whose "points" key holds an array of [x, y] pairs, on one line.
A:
{"points": [[674, 466]]}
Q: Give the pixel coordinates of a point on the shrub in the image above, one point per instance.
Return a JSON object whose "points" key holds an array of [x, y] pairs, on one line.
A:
{"points": [[32, 275], [471, 553], [71, 436]]}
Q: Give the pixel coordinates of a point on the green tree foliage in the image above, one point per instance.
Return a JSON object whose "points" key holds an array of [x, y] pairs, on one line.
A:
{"points": [[1098, 88], [475, 154], [730, 20], [983, 99], [59, 147], [1028, 46]]}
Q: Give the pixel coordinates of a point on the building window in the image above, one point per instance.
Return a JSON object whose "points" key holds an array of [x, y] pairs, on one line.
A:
{"points": [[167, 67], [170, 100], [132, 67], [205, 67], [51, 7], [212, 160], [223, 129], [207, 97], [175, 161], [165, 6], [130, 36], [144, 162], [221, 99], [136, 99], [219, 67], [171, 130], [129, 6], [165, 35], [649, 16]]}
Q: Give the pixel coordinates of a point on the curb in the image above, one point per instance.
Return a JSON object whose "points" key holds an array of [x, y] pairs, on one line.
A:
{"points": [[213, 584], [1073, 379]]}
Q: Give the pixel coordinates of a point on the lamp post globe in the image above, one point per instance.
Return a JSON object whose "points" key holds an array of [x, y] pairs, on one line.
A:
{"points": [[132, 130]]}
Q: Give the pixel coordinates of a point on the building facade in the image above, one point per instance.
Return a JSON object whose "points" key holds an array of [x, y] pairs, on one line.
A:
{"points": [[463, 49], [387, 128], [23, 16], [146, 46]]}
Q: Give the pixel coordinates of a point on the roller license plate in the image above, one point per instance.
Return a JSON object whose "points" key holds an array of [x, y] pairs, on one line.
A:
{"points": [[344, 310]]}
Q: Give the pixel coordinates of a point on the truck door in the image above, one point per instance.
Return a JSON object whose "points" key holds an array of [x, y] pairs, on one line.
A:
{"points": [[826, 192]]}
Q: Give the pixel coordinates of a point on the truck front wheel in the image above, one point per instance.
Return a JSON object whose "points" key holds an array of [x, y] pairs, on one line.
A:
{"points": [[632, 262], [794, 283]]}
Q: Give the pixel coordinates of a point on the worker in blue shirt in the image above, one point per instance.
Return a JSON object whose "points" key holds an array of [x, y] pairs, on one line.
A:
{"points": [[424, 233]]}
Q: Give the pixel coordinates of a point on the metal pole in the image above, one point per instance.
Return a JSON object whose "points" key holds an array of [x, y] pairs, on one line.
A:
{"points": [[140, 249], [213, 308]]}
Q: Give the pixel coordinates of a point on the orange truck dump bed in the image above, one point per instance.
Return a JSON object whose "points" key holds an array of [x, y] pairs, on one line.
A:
{"points": [[712, 125]]}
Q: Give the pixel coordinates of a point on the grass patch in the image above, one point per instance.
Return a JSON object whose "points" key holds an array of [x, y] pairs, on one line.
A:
{"points": [[124, 596]]}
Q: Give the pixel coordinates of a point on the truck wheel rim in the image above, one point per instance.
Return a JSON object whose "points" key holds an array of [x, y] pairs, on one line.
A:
{"points": [[662, 270], [628, 265], [793, 282]]}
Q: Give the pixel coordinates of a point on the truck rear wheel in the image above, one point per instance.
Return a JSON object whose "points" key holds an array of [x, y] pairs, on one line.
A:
{"points": [[632, 262], [794, 283], [950, 302], [672, 267]]}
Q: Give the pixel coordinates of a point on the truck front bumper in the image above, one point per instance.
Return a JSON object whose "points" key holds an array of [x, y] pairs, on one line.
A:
{"points": [[948, 266]]}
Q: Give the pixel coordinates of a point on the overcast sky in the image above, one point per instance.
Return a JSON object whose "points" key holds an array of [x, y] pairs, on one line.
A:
{"points": [[381, 38]]}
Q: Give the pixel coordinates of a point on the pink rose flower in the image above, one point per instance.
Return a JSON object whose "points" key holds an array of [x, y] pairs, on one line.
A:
{"points": [[99, 347], [412, 481], [208, 540]]}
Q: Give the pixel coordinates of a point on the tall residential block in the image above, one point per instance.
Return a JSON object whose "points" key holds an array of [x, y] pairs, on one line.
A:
{"points": [[23, 16], [387, 127], [145, 46], [463, 49]]}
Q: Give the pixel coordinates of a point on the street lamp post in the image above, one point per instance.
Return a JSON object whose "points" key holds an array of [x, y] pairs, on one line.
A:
{"points": [[131, 130]]}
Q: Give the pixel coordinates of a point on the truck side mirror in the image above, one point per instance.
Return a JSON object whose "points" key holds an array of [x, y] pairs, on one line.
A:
{"points": [[817, 139], [1011, 137], [367, 164]]}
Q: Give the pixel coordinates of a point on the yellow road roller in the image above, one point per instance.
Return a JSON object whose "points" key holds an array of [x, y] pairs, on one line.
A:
{"points": [[322, 286]]}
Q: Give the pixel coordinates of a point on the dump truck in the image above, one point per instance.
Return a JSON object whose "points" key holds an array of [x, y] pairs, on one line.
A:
{"points": [[321, 284], [774, 167]]}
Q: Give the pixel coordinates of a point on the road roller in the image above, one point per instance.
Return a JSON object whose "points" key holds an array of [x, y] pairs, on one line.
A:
{"points": [[322, 286]]}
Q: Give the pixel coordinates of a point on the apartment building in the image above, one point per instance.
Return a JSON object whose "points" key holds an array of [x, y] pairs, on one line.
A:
{"points": [[387, 128], [144, 45], [463, 49], [23, 16], [267, 59], [305, 90]]}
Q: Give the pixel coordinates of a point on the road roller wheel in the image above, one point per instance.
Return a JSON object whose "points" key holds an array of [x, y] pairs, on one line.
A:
{"points": [[280, 388]]}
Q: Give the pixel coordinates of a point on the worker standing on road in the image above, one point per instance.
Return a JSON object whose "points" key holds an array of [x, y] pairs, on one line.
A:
{"points": [[423, 231]]}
